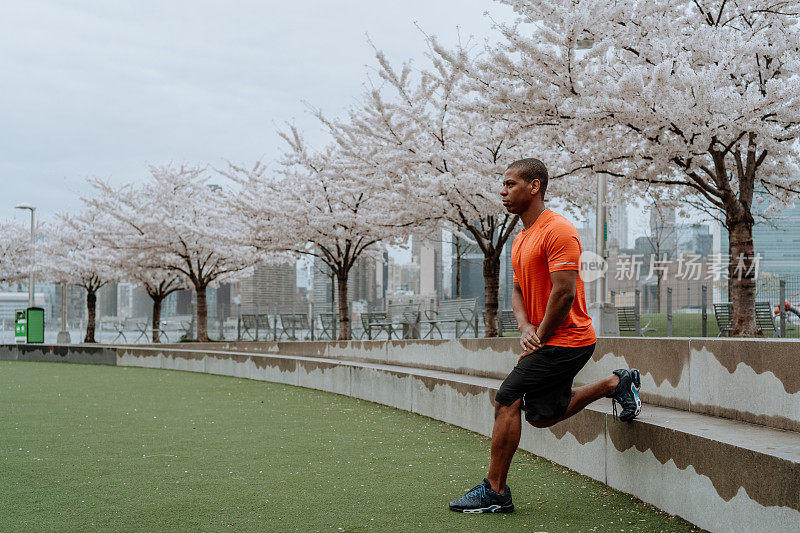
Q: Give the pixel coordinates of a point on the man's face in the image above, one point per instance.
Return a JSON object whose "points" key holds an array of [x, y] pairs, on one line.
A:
{"points": [[517, 194]]}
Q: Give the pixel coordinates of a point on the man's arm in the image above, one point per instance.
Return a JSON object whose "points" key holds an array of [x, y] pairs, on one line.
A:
{"points": [[528, 340], [560, 302]]}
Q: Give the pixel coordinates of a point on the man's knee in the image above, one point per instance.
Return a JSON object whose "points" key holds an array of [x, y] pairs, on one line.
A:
{"points": [[507, 410]]}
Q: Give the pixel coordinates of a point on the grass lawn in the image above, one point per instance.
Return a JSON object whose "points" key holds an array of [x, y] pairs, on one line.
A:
{"points": [[128, 449]]}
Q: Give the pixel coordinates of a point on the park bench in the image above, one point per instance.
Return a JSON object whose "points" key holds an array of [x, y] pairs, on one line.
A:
{"points": [[119, 327], [506, 321], [253, 325], [402, 317], [375, 320], [329, 323], [248, 326], [134, 325], [626, 317], [460, 311], [139, 326], [266, 325], [291, 323], [764, 318], [175, 327], [723, 316]]}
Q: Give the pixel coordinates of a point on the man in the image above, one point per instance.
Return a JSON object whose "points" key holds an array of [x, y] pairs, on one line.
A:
{"points": [[556, 336]]}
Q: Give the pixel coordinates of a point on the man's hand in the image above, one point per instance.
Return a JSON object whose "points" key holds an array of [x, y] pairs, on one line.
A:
{"points": [[528, 340]]}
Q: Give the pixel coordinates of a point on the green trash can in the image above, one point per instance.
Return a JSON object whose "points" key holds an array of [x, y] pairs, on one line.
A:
{"points": [[35, 324], [20, 326]]}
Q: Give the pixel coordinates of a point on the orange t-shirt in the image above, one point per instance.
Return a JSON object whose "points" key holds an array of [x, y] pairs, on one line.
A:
{"points": [[551, 244]]}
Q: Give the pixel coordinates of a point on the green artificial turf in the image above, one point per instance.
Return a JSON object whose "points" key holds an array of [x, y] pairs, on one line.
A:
{"points": [[127, 449]]}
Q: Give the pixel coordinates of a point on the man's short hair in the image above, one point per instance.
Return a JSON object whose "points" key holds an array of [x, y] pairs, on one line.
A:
{"points": [[531, 169]]}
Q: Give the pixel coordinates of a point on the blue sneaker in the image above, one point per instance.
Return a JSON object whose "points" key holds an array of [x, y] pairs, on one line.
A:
{"points": [[482, 499], [627, 394]]}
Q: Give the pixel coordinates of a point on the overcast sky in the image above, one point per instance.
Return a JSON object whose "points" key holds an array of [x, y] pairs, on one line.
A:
{"points": [[102, 88]]}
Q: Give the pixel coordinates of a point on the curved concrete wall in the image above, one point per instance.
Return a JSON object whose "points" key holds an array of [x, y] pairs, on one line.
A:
{"points": [[722, 474], [754, 381]]}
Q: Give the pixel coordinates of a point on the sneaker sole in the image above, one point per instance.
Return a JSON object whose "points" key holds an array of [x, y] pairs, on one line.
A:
{"points": [[490, 509], [636, 383]]}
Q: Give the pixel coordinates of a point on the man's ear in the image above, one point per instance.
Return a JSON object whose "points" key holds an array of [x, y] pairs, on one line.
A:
{"points": [[535, 186]]}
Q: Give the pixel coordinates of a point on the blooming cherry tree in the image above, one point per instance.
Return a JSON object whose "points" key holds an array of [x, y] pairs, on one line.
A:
{"points": [[177, 225], [15, 250], [73, 257], [700, 98], [319, 205], [429, 134]]}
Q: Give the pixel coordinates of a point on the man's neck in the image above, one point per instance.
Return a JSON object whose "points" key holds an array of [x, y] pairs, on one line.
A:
{"points": [[532, 213]]}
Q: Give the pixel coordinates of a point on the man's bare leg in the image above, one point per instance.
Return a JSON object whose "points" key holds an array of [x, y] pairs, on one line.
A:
{"points": [[505, 440], [583, 396], [508, 427]]}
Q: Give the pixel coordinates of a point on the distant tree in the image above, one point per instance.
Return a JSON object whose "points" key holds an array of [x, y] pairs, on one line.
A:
{"points": [[427, 134], [318, 205], [15, 250], [178, 223], [72, 256], [135, 262], [698, 96], [158, 283], [662, 237]]}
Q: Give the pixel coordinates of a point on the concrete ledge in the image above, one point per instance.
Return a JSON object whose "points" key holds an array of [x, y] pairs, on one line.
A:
{"points": [[720, 474], [750, 380], [727, 370], [664, 364], [54, 353]]}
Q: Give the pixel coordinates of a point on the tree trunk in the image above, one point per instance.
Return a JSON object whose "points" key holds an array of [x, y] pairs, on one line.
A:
{"points": [[157, 317], [659, 278], [458, 277], [91, 311], [202, 314], [458, 268], [344, 312], [491, 283], [742, 276]]}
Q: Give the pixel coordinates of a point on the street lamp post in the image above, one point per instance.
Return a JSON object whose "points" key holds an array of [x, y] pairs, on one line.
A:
{"points": [[602, 312], [601, 233], [63, 335], [32, 209]]}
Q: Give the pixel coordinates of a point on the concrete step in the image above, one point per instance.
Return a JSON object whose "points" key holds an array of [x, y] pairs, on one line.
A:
{"points": [[743, 379]]}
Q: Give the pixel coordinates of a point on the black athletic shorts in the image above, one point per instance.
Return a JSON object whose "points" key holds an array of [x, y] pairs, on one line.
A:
{"points": [[543, 380]]}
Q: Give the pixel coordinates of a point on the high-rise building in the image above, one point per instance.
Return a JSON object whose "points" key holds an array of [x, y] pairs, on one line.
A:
{"points": [[507, 272], [776, 241], [694, 239], [403, 279], [107, 298], [586, 236], [472, 285], [617, 227], [268, 286], [323, 294], [427, 253], [663, 231], [124, 301], [361, 285]]}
